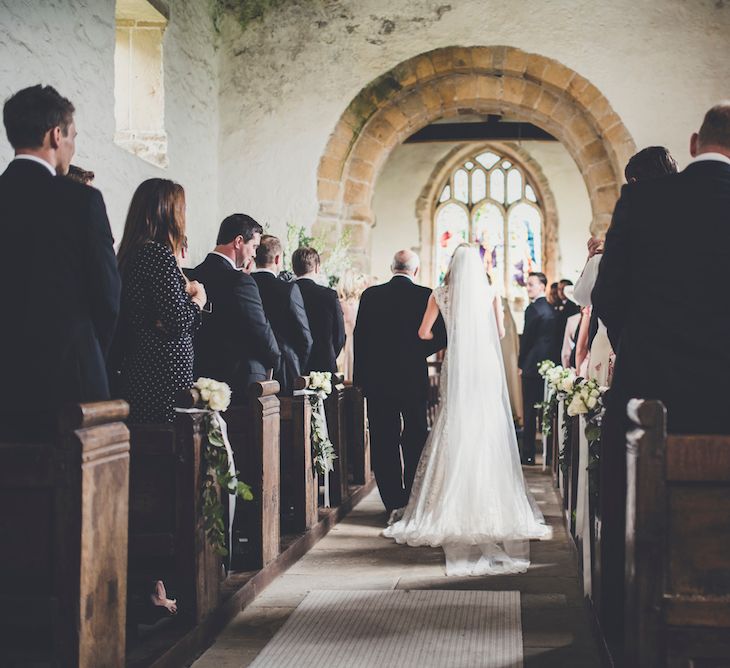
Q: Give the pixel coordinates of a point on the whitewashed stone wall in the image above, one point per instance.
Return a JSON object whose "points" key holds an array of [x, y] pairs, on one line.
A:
{"points": [[70, 45], [287, 79]]}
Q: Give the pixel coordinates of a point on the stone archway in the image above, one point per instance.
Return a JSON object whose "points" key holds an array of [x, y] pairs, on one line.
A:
{"points": [[452, 81], [430, 192]]}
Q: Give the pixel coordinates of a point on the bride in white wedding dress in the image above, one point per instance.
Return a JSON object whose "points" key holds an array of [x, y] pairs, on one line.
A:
{"points": [[469, 494]]}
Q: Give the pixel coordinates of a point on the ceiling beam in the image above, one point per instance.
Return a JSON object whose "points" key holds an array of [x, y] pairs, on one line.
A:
{"points": [[489, 130]]}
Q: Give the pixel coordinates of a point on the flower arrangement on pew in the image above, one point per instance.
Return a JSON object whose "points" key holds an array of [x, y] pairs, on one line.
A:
{"points": [[559, 382], [587, 400], [215, 397], [323, 452]]}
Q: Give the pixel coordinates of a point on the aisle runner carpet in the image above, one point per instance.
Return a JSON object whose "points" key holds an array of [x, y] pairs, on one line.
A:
{"points": [[366, 629]]}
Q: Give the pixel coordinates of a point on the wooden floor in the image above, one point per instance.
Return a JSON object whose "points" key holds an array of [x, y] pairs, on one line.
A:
{"points": [[555, 624]]}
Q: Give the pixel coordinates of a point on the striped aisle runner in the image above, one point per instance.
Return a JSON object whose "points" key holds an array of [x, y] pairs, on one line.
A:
{"points": [[419, 629]]}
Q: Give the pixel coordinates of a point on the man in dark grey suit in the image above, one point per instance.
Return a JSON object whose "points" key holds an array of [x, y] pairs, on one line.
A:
{"points": [[536, 344], [57, 262], [284, 308]]}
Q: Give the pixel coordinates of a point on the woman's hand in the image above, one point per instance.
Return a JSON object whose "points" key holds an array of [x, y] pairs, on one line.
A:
{"points": [[425, 335], [197, 293]]}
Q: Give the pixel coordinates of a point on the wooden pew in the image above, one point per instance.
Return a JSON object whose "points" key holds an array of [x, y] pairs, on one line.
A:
{"points": [[63, 545], [358, 443], [167, 539], [253, 429], [571, 455], [677, 610], [334, 407], [299, 485]]}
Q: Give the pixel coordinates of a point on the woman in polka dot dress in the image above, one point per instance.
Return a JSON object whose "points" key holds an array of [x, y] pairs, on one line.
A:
{"points": [[160, 309]]}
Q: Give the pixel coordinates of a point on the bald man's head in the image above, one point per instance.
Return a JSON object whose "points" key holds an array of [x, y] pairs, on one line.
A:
{"points": [[405, 262]]}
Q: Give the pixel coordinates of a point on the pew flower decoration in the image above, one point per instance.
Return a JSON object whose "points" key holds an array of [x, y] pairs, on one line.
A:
{"points": [[323, 452], [215, 397]]}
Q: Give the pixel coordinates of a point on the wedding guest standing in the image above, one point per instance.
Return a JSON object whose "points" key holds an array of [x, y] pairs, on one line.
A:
{"points": [[235, 344], [57, 263], [284, 308], [349, 289], [160, 309], [324, 312], [677, 221], [537, 344]]}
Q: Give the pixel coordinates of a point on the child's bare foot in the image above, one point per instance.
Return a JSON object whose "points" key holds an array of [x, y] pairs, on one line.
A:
{"points": [[159, 598]]}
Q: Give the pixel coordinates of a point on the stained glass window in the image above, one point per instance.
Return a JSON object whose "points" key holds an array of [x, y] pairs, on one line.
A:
{"points": [[452, 229], [489, 201]]}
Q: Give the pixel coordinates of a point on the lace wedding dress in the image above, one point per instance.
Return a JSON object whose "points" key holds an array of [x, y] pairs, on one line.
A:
{"points": [[469, 494]]}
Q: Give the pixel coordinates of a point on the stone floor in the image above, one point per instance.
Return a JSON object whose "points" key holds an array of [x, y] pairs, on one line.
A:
{"points": [[555, 625]]}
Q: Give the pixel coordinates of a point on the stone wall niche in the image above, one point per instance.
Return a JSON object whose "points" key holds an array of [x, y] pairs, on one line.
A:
{"points": [[139, 95]]}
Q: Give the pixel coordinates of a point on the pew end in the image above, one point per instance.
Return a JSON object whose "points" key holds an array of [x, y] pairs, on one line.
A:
{"points": [[63, 578], [677, 544]]}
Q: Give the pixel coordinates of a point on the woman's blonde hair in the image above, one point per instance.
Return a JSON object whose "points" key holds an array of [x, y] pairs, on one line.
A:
{"points": [[351, 285]]}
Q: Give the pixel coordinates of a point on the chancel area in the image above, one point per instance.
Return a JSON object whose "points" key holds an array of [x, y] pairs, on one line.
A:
{"points": [[365, 333]]}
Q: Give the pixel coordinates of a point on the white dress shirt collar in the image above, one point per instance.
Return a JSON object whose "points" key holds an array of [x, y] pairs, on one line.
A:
{"points": [[710, 156], [231, 262], [35, 158], [261, 270], [408, 276]]}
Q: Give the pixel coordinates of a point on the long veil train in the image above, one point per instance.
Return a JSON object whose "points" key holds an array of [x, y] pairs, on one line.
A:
{"points": [[469, 495]]}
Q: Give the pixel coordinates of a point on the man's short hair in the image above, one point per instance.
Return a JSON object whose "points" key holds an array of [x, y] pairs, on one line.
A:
{"points": [[267, 251], [304, 261], [32, 112], [540, 276], [565, 281], [83, 176], [404, 261], [237, 224], [716, 126], [650, 163]]}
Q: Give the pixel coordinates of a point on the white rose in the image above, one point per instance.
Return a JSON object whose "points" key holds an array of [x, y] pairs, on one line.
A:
{"points": [[219, 400], [595, 393], [205, 394], [576, 407], [202, 383], [591, 403]]}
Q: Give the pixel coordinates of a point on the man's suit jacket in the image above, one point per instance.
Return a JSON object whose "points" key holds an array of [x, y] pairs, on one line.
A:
{"points": [[326, 325], [661, 293], [390, 359], [563, 311], [284, 308], [235, 343], [538, 337], [62, 289]]}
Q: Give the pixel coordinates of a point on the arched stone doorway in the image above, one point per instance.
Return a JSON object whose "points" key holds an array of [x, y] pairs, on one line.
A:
{"points": [[455, 81]]}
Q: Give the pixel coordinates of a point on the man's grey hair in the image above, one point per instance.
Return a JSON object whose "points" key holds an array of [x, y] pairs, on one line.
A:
{"points": [[405, 261]]}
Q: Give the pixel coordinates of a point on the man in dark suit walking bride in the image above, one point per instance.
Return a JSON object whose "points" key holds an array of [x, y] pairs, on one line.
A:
{"points": [[390, 366]]}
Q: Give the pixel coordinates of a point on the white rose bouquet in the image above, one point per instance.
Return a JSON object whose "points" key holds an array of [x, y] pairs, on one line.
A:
{"points": [[323, 452], [587, 397], [544, 367], [215, 397]]}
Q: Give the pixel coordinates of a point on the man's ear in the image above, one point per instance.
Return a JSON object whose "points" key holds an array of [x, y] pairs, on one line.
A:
{"points": [[415, 273], [54, 137], [277, 260], [694, 141]]}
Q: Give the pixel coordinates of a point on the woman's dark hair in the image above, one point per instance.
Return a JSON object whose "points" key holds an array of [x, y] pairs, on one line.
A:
{"points": [[650, 163], [83, 176], [156, 213], [32, 112], [237, 224]]}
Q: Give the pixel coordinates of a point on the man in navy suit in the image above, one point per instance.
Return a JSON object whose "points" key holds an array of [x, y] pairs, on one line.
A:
{"points": [[324, 313], [235, 343], [536, 344], [57, 261]]}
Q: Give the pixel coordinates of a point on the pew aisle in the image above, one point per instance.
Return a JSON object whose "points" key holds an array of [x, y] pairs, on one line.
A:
{"points": [[555, 625]]}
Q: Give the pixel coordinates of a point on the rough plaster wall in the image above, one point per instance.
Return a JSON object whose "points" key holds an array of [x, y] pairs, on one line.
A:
{"points": [[70, 45], [287, 79], [409, 168]]}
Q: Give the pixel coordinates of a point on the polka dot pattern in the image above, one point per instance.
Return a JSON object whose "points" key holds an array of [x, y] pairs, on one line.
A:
{"points": [[160, 319]]}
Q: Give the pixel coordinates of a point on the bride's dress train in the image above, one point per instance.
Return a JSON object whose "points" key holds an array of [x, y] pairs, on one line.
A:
{"points": [[469, 495]]}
